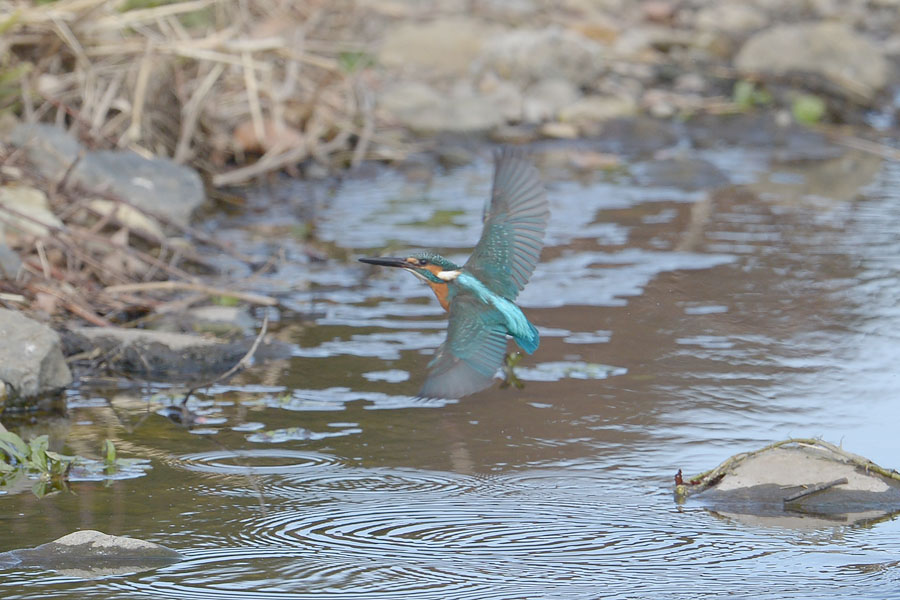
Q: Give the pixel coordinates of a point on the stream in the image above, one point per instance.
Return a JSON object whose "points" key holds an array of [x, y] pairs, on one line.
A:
{"points": [[692, 305]]}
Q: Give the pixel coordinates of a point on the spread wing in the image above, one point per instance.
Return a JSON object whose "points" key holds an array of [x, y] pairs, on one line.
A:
{"points": [[473, 351], [514, 225]]}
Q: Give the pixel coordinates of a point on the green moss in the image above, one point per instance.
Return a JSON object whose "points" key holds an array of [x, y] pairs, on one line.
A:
{"points": [[747, 94], [808, 109]]}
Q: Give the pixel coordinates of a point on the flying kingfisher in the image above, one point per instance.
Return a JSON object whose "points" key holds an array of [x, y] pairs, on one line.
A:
{"points": [[479, 295]]}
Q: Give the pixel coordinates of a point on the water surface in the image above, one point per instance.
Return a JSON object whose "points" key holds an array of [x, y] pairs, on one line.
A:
{"points": [[681, 321]]}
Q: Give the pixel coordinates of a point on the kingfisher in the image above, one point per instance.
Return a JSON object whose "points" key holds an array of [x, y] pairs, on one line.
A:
{"points": [[480, 294]]}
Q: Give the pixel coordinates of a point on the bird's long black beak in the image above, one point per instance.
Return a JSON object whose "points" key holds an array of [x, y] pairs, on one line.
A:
{"points": [[386, 261]]}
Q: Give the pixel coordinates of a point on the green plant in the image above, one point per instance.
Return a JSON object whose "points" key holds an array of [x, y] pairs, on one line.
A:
{"points": [[351, 62], [747, 94], [808, 109], [51, 470]]}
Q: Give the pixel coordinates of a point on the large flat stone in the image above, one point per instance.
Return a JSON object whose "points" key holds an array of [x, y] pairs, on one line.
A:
{"points": [[778, 485]]}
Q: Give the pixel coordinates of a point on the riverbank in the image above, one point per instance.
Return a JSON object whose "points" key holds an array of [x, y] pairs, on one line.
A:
{"points": [[158, 111]]}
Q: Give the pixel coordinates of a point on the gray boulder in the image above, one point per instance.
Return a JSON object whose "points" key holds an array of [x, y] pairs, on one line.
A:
{"points": [[157, 185], [855, 65], [31, 360]]}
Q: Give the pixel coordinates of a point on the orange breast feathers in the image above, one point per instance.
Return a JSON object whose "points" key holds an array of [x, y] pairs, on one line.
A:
{"points": [[440, 289]]}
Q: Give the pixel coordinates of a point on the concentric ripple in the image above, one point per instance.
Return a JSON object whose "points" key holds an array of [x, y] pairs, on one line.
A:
{"points": [[379, 481], [247, 462], [542, 542]]}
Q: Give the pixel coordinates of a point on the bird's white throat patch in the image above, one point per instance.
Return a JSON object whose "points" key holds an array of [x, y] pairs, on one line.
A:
{"points": [[448, 275]]}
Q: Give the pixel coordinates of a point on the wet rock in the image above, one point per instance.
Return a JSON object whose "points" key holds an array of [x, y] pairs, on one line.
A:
{"points": [[543, 100], [154, 354], [796, 483], [162, 355], [589, 113], [37, 218], [31, 359], [527, 56], [852, 63], [157, 185], [90, 554], [684, 173], [730, 17], [441, 48]]}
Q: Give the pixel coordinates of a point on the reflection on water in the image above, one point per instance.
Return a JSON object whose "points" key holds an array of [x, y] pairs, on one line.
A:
{"points": [[679, 326]]}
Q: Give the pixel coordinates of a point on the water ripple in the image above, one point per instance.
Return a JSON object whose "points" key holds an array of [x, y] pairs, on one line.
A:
{"points": [[258, 461]]}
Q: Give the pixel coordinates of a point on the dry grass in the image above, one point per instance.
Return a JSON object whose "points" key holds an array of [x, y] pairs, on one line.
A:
{"points": [[208, 83], [234, 88], [102, 259]]}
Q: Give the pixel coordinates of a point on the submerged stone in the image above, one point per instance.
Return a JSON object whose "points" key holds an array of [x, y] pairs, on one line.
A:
{"points": [[89, 554], [796, 483]]}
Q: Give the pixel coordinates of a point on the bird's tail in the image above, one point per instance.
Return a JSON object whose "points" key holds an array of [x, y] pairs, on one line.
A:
{"points": [[529, 342]]}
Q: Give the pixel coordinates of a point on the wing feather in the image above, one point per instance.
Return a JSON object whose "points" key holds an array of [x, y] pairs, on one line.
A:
{"points": [[514, 226], [470, 356]]}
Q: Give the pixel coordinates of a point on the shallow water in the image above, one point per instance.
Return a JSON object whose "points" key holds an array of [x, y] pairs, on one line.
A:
{"points": [[680, 325]]}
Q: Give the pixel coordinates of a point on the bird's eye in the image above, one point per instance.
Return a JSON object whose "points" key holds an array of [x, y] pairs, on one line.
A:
{"points": [[422, 262]]}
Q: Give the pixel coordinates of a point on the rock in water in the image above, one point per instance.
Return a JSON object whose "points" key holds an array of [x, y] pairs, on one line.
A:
{"points": [[796, 483], [88, 554], [31, 359]]}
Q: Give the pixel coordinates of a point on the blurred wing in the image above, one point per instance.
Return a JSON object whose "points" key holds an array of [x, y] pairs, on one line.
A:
{"points": [[470, 356], [514, 225]]}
